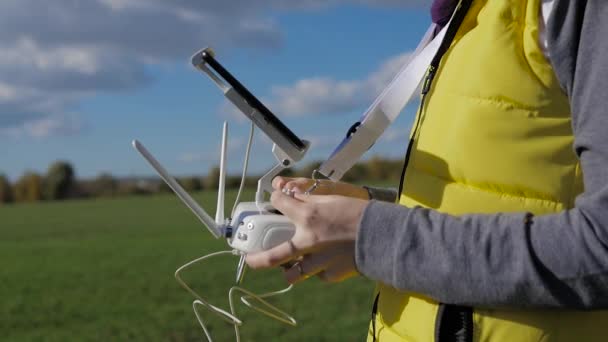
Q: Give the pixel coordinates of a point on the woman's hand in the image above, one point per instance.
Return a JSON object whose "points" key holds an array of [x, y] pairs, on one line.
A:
{"points": [[324, 241], [325, 187]]}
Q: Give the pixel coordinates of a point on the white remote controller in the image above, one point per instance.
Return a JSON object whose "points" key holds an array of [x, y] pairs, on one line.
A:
{"points": [[254, 228], [261, 232], [258, 228]]}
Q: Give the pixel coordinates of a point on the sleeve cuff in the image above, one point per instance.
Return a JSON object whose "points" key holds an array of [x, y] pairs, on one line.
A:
{"points": [[382, 194], [376, 238]]}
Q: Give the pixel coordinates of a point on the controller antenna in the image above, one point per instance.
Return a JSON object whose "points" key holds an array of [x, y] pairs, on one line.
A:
{"points": [[220, 217]]}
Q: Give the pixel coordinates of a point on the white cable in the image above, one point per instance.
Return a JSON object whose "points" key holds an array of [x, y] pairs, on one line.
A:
{"points": [[265, 308], [274, 312], [228, 317], [245, 165], [270, 311]]}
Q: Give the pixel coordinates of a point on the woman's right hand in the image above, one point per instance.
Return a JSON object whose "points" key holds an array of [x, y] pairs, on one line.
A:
{"points": [[325, 187]]}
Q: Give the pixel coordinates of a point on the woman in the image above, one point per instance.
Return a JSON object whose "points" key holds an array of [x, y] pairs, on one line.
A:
{"points": [[500, 228]]}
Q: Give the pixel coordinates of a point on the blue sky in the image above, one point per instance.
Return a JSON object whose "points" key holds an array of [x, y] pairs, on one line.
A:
{"points": [[80, 79]]}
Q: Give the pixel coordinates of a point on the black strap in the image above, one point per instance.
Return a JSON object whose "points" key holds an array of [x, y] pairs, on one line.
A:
{"points": [[374, 312], [459, 15], [453, 322]]}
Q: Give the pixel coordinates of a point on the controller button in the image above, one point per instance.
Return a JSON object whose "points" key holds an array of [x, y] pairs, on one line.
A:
{"points": [[242, 236]]}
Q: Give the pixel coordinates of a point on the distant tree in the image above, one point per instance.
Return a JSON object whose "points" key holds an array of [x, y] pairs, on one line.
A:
{"points": [[105, 185], [378, 168], [6, 191], [163, 187], [128, 188], [60, 181], [191, 184], [384, 169], [233, 182], [83, 188], [357, 173], [307, 170], [213, 178], [288, 173], [251, 181], [396, 166], [28, 188]]}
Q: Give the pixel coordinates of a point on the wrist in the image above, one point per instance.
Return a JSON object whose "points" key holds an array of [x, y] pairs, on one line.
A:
{"points": [[368, 192], [354, 191], [356, 214]]}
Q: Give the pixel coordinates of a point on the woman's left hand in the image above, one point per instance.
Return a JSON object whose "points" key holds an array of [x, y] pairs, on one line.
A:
{"points": [[324, 241]]}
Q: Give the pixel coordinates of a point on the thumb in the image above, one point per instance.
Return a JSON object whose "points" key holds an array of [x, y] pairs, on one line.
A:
{"points": [[279, 182], [273, 257]]}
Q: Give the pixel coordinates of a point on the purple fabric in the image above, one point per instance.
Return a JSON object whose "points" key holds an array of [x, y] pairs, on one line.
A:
{"points": [[441, 11]]}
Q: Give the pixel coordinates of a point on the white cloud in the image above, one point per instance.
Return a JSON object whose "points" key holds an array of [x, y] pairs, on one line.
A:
{"points": [[43, 127], [7, 92], [25, 53], [53, 125], [323, 95], [317, 95], [55, 53], [379, 79]]}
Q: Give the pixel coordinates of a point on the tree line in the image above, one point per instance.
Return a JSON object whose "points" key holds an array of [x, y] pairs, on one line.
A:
{"points": [[60, 182]]}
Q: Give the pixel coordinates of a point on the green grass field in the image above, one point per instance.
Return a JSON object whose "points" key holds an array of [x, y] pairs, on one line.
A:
{"points": [[100, 270]]}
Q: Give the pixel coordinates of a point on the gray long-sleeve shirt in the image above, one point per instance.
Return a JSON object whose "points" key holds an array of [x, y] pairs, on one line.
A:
{"points": [[497, 260]]}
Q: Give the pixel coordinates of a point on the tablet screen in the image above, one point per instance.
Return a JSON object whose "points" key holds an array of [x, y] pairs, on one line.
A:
{"points": [[254, 102]]}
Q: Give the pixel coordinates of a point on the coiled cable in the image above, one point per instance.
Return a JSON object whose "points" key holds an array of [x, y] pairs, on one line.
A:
{"points": [[264, 307]]}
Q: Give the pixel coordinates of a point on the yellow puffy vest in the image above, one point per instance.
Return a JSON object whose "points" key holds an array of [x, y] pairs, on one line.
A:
{"points": [[495, 136]]}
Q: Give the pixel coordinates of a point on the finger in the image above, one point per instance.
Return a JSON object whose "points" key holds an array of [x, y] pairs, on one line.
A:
{"points": [[310, 265], [279, 182], [299, 184], [289, 206], [302, 197], [295, 188], [273, 257]]}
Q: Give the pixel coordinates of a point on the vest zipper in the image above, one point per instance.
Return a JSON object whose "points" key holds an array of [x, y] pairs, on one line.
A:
{"points": [[426, 87]]}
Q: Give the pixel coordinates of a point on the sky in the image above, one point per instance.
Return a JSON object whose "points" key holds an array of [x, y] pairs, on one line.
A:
{"points": [[79, 79]]}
